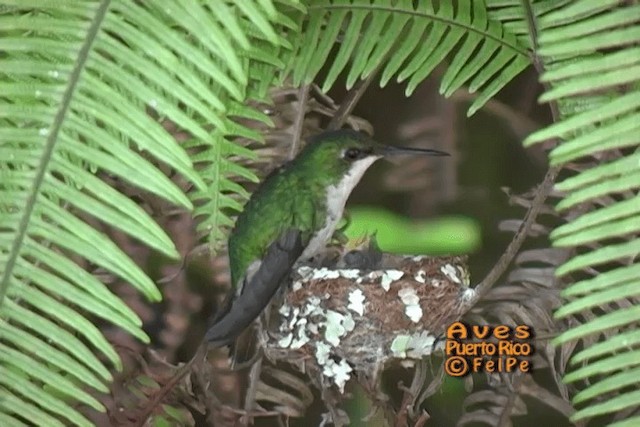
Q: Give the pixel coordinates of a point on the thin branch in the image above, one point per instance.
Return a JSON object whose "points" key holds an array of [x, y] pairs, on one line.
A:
{"points": [[197, 251], [168, 387], [210, 400], [500, 267], [531, 388], [430, 389], [250, 396], [505, 415], [541, 193], [351, 99], [520, 124], [303, 95]]}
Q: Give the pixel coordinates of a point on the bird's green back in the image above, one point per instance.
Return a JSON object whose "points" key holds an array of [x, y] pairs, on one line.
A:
{"points": [[293, 196]]}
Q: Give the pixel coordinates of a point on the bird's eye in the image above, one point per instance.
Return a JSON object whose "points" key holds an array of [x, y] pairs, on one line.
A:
{"points": [[352, 154]]}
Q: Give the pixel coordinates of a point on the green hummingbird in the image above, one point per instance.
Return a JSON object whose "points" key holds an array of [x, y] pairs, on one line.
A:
{"points": [[292, 216]]}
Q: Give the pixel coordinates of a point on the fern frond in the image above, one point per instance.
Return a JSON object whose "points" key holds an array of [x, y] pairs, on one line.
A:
{"points": [[86, 89], [593, 69], [407, 40], [264, 28]]}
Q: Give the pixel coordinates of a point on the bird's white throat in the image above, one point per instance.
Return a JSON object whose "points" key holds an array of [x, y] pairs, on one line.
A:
{"points": [[337, 196]]}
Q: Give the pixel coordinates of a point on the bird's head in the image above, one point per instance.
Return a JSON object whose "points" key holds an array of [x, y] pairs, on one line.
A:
{"points": [[348, 152]]}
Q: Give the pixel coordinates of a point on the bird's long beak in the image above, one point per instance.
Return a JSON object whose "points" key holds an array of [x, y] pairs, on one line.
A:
{"points": [[390, 150]]}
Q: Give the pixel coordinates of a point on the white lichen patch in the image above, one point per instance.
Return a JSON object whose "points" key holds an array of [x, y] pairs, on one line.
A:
{"points": [[421, 345], [334, 328], [284, 310], [411, 300], [356, 301], [408, 363], [390, 276], [400, 345], [285, 341], [325, 274], [294, 317], [297, 285], [349, 273], [464, 274], [312, 307], [468, 294], [304, 271], [420, 276], [374, 275], [451, 272], [296, 323], [394, 274], [413, 312], [301, 337], [435, 283], [322, 352], [348, 323], [408, 296], [313, 328], [413, 346], [339, 371]]}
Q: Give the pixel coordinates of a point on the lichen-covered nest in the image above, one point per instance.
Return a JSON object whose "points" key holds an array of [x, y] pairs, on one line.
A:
{"points": [[342, 320]]}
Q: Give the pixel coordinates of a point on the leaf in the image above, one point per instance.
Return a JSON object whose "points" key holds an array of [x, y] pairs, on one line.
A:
{"points": [[88, 88], [592, 72], [407, 40]]}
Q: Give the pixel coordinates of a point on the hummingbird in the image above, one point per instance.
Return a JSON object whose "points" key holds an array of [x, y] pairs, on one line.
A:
{"points": [[291, 217]]}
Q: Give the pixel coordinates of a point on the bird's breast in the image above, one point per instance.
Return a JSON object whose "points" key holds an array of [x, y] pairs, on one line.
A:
{"points": [[336, 199]]}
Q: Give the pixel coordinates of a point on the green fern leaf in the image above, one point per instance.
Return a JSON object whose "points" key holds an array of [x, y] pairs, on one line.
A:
{"points": [[407, 40], [79, 79], [592, 61]]}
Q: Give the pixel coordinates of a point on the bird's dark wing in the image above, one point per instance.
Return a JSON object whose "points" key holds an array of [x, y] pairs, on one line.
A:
{"points": [[240, 310]]}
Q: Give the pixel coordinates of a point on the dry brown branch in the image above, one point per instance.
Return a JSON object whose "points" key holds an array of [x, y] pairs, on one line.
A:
{"points": [[519, 238]]}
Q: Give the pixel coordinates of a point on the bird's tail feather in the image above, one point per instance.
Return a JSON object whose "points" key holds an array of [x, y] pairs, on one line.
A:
{"points": [[239, 312]]}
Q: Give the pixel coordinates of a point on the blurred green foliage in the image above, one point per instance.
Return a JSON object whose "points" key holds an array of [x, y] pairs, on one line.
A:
{"points": [[453, 234]]}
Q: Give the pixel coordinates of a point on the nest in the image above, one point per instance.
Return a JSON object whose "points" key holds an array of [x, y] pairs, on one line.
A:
{"points": [[350, 320]]}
